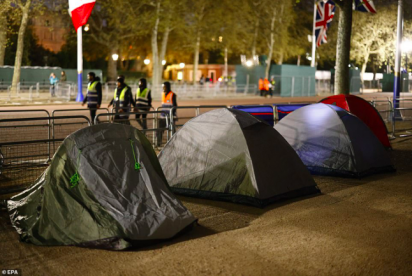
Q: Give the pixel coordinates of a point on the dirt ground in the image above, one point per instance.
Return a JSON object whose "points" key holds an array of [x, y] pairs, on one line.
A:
{"points": [[355, 227]]}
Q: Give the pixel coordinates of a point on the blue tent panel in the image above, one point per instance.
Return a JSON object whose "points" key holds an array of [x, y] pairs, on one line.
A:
{"points": [[285, 109], [263, 112]]}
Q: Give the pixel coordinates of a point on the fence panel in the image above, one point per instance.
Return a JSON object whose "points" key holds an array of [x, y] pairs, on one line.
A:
{"points": [[156, 130], [26, 149], [402, 117], [186, 113], [78, 112], [384, 107]]}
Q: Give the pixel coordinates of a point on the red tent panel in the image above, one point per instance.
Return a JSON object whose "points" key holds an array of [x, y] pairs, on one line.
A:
{"points": [[364, 111]]}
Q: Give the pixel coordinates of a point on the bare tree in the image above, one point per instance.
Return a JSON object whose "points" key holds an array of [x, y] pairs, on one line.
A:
{"points": [[276, 13], [24, 6], [200, 26]]}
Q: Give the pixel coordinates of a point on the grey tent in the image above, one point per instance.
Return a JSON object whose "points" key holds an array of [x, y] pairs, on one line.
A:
{"points": [[104, 188], [332, 141], [228, 154]]}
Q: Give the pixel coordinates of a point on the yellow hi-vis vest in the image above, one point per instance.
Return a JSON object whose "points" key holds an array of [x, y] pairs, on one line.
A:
{"points": [[120, 102], [92, 97], [142, 96], [121, 97]]}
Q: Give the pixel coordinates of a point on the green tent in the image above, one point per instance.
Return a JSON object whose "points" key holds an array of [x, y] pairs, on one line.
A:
{"points": [[104, 189]]}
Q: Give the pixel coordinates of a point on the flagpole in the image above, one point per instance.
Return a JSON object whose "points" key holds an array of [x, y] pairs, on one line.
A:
{"points": [[397, 79], [79, 65], [313, 62]]}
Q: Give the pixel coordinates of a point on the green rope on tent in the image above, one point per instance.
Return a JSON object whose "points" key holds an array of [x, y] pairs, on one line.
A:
{"points": [[136, 164], [74, 180]]}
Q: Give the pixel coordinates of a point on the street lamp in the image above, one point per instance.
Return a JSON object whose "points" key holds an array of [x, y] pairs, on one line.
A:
{"points": [[249, 63], [146, 61], [115, 57], [163, 62], [406, 47], [86, 28], [182, 65]]}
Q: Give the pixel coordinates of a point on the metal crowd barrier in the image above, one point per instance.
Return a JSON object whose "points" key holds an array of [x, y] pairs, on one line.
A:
{"points": [[148, 108], [9, 136], [87, 110], [386, 113], [23, 161], [26, 110], [197, 110], [399, 117], [157, 129]]}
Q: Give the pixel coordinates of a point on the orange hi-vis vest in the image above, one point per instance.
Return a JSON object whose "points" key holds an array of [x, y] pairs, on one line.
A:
{"points": [[260, 84], [266, 84], [167, 103]]}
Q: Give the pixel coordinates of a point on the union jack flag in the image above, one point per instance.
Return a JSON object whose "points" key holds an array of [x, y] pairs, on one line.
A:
{"points": [[324, 15], [364, 6]]}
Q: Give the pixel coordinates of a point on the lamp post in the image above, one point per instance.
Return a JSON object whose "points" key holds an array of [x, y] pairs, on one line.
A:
{"points": [[397, 77], [115, 57]]}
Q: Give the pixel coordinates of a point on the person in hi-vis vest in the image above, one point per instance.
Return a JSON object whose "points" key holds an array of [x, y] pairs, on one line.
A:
{"points": [[94, 95], [143, 102], [168, 101], [122, 99]]}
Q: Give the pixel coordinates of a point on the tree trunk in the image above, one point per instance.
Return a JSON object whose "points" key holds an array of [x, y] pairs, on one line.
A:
{"points": [[271, 43], [255, 37], [280, 61], [112, 66], [163, 51], [124, 62], [343, 48], [127, 61], [20, 46], [155, 51], [374, 68], [365, 63], [3, 38], [226, 66], [196, 57]]}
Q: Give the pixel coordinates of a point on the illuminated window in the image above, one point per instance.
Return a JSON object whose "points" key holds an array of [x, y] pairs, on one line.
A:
{"points": [[180, 75]]}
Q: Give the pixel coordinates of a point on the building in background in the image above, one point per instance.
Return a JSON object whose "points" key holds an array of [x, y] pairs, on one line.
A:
{"points": [[179, 72], [51, 31]]}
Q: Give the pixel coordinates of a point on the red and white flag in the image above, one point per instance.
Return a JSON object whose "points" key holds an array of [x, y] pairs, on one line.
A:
{"points": [[80, 11]]}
